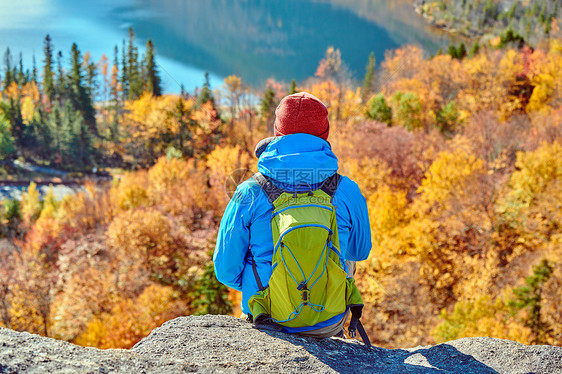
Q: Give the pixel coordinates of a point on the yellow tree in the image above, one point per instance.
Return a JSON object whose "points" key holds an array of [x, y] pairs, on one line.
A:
{"points": [[546, 78], [144, 241], [30, 204], [332, 69], [146, 122], [234, 93], [449, 224], [130, 320]]}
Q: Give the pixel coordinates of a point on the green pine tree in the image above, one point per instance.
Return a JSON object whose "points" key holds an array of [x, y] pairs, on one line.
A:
{"points": [[369, 77], [6, 138], [206, 94], [54, 140], [491, 11], [210, 296], [75, 139], [293, 87], [378, 109], [114, 95], [461, 51], [183, 139], [530, 296], [10, 216], [267, 109], [13, 114], [152, 77], [8, 74], [452, 51], [82, 149], [124, 73], [91, 80], [136, 84], [448, 117], [20, 77], [34, 69], [61, 86], [79, 96], [474, 49]]}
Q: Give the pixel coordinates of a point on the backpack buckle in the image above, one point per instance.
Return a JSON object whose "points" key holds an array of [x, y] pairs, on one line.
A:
{"points": [[302, 286], [353, 327]]}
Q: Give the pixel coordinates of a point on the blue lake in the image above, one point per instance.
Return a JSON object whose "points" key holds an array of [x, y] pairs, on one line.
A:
{"points": [[255, 39]]}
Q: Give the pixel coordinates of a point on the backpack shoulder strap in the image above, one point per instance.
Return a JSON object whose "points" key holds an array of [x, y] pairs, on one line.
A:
{"points": [[267, 185], [330, 184]]}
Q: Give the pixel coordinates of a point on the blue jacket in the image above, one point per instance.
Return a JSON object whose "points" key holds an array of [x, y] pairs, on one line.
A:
{"points": [[245, 229]]}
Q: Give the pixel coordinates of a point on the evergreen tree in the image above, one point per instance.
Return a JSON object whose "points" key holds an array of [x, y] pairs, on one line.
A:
{"points": [[20, 77], [39, 135], [474, 49], [6, 138], [60, 91], [461, 52], [530, 296], [447, 117], [65, 135], [81, 100], [378, 109], [73, 137], [406, 110], [133, 71], [457, 52], [81, 142], [452, 51], [124, 73], [33, 132], [491, 11], [55, 139], [48, 73], [114, 95], [152, 77], [183, 138], [211, 296], [206, 94], [511, 12], [293, 87], [268, 107], [369, 76], [13, 114], [34, 70], [8, 74], [11, 215], [92, 83]]}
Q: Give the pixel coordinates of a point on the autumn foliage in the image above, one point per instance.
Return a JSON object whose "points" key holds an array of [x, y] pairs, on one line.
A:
{"points": [[460, 161]]}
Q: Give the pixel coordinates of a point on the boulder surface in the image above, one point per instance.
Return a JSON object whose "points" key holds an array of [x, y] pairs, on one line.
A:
{"points": [[228, 344]]}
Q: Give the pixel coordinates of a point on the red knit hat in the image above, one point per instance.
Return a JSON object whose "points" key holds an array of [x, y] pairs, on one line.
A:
{"points": [[301, 113]]}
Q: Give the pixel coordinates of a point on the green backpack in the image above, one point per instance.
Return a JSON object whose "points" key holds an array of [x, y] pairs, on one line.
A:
{"points": [[309, 290]]}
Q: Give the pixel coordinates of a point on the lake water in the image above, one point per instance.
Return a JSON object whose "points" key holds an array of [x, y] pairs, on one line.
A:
{"points": [[255, 39]]}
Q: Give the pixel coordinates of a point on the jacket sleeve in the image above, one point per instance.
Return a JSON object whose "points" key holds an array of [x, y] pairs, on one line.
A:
{"points": [[233, 241], [359, 244]]}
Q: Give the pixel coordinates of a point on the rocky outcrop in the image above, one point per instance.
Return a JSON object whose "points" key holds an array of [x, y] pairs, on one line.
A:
{"points": [[228, 344]]}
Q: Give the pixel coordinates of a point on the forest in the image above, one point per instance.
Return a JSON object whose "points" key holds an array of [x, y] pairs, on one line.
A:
{"points": [[532, 21], [459, 156]]}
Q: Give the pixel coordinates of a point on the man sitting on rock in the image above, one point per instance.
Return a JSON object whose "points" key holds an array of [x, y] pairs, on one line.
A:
{"points": [[297, 169]]}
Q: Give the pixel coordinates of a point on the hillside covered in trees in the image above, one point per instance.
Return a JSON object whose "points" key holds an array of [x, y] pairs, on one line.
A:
{"points": [[71, 117], [531, 21], [460, 160]]}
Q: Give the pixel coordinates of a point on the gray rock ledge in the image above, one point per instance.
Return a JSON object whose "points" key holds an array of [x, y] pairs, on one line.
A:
{"points": [[227, 344]]}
